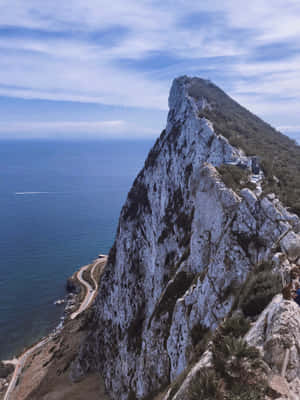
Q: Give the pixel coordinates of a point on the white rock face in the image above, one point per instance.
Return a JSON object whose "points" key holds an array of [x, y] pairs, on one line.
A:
{"points": [[185, 242], [277, 334]]}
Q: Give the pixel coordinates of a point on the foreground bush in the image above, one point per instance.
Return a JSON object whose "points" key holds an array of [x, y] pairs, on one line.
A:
{"points": [[259, 290], [206, 386]]}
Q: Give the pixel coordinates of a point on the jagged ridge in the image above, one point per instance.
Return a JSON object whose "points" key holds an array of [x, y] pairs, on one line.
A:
{"points": [[185, 243]]}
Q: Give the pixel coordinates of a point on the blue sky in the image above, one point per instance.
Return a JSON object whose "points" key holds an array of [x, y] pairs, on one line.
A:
{"points": [[103, 69]]}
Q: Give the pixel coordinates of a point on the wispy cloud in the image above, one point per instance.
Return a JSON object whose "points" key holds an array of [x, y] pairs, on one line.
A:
{"points": [[44, 57], [79, 129], [126, 53]]}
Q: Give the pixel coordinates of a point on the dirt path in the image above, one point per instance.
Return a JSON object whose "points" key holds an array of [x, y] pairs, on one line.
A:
{"points": [[19, 364]]}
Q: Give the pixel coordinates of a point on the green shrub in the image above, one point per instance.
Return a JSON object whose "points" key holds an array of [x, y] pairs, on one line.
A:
{"points": [[233, 176], [258, 291], [237, 371], [235, 349], [240, 367], [236, 326], [201, 335], [231, 346], [205, 386], [198, 332]]}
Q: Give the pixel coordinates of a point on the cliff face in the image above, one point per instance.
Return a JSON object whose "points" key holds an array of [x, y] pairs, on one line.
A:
{"points": [[184, 246]]}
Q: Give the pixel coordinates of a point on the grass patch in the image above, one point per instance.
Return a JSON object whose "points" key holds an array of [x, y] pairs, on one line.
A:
{"points": [[235, 177]]}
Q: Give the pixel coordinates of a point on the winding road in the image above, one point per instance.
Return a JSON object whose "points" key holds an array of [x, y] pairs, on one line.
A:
{"points": [[90, 294], [19, 364]]}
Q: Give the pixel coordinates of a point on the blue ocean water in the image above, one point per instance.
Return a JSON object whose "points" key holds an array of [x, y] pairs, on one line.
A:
{"points": [[59, 208]]}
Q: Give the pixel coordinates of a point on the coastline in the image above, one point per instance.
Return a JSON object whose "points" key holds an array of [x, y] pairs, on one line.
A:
{"points": [[72, 308]]}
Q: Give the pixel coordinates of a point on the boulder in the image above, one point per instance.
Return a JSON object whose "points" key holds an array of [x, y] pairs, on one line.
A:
{"points": [[277, 334], [290, 244], [278, 387]]}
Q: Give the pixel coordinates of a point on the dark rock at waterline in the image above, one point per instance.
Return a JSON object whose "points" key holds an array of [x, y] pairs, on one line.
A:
{"points": [[72, 286], [5, 370]]}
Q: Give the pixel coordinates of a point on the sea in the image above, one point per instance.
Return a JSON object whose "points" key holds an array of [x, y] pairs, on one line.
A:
{"points": [[59, 207]]}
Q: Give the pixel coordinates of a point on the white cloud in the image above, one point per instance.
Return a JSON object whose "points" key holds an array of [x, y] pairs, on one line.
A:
{"points": [[289, 128], [268, 20], [271, 89], [74, 67], [79, 75], [86, 129], [78, 69]]}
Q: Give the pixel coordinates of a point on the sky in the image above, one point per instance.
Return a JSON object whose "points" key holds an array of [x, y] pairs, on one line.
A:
{"points": [[103, 69]]}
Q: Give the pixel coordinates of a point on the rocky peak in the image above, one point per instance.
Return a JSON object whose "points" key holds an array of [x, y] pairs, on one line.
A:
{"points": [[187, 100], [185, 245]]}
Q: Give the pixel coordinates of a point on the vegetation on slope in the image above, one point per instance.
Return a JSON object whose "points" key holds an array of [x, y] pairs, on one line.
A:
{"points": [[235, 177], [237, 371], [279, 155], [258, 291], [261, 285]]}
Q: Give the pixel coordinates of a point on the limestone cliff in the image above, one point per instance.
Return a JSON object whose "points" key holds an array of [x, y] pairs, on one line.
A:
{"points": [[184, 246]]}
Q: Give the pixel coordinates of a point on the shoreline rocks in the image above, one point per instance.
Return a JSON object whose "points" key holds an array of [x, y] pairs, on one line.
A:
{"points": [[72, 285]]}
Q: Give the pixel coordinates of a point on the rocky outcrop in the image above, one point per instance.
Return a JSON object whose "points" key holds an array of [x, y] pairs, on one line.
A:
{"points": [[72, 285], [277, 334], [5, 369], [184, 246]]}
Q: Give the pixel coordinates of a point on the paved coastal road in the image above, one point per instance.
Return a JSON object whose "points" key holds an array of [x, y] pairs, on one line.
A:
{"points": [[90, 292], [20, 362]]}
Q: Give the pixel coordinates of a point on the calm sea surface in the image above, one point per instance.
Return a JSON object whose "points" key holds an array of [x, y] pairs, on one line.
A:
{"points": [[59, 208]]}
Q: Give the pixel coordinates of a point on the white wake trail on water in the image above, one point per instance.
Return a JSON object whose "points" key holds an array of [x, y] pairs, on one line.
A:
{"points": [[32, 193]]}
